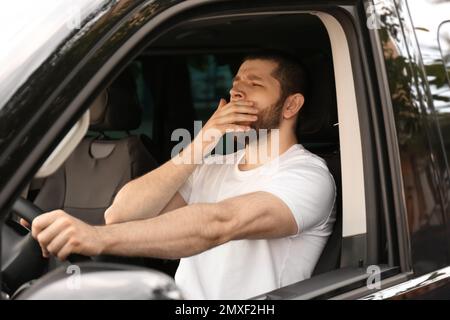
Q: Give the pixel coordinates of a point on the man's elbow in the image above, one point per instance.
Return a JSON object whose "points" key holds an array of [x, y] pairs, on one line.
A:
{"points": [[111, 216], [109, 219]]}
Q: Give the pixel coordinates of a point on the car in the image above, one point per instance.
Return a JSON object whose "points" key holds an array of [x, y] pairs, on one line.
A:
{"points": [[90, 100]]}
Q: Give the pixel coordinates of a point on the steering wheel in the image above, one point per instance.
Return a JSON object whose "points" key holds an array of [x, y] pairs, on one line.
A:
{"points": [[22, 259]]}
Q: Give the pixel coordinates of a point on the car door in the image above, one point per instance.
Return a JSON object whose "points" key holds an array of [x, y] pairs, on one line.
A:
{"points": [[375, 244], [59, 91], [420, 170]]}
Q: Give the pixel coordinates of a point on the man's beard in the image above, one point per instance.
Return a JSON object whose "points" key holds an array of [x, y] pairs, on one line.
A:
{"points": [[267, 120], [270, 118]]}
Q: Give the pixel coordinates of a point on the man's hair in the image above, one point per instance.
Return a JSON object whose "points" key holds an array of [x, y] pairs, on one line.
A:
{"points": [[290, 72]]}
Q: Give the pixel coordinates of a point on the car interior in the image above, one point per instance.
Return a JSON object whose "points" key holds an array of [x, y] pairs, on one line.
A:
{"points": [[177, 79]]}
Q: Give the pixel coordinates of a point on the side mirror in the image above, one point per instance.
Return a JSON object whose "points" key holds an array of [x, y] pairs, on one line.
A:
{"points": [[109, 281]]}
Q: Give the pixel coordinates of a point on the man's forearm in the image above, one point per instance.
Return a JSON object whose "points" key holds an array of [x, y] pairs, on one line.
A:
{"points": [[179, 233], [146, 196]]}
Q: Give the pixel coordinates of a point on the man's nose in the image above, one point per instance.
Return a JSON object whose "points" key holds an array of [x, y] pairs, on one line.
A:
{"points": [[236, 94]]}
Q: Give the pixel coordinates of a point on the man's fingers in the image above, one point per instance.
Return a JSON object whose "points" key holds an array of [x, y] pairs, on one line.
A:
{"points": [[233, 118], [43, 221], [226, 105], [65, 251], [24, 223], [242, 103], [222, 103], [58, 243], [46, 236], [236, 128], [45, 253], [240, 110]]}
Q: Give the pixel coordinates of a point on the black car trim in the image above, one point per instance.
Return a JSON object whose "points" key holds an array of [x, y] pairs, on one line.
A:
{"points": [[402, 231], [329, 284], [409, 288], [380, 162]]}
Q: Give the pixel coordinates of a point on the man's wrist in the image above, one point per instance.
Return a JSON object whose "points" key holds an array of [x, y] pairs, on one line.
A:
{"points": [[105, 239], [193, 154]]}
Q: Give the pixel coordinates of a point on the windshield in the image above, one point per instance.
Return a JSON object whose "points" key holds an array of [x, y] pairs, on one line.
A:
{"points": [[30, 31]]}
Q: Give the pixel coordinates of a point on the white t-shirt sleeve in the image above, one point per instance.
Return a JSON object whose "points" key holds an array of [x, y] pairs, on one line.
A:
{"points": [[308, 191]]}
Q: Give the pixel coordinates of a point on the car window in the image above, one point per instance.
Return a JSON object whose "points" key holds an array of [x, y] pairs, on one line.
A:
{"points": [[146, 103], [433, 37], [444, 45], [444, 107], [145, 100], [210, 81]]}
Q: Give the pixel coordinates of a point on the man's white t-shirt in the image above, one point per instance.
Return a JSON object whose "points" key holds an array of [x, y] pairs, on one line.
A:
{"points": [[242, 269]]}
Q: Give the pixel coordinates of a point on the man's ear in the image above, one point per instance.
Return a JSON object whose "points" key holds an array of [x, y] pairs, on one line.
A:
{"points": [[292, 105]]}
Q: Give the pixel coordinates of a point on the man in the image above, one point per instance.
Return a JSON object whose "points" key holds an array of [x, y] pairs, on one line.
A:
{"points": [[240, 229]]}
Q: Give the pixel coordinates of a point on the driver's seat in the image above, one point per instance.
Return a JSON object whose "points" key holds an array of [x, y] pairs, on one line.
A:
{"points": [[88, 181]]}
